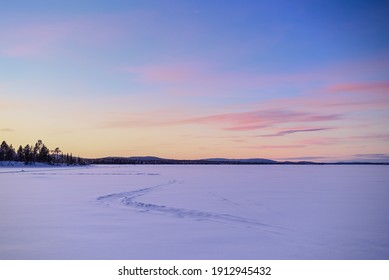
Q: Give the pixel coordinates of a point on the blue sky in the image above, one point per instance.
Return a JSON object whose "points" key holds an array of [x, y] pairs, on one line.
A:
{"points": [[192, 79]]}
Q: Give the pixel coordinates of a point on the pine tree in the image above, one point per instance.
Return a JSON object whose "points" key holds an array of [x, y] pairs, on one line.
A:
{"points": [[37, 153], [44, 155], [3, 151], [37, 150], [27, 153], [10, 154], [56, 153], [20, 153]]}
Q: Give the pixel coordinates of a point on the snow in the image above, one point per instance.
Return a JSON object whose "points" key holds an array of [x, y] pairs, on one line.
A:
{"points": [[194, 212]]}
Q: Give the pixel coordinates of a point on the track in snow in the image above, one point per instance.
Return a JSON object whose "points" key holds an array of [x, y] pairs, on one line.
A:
{"points": [[128, 199]]}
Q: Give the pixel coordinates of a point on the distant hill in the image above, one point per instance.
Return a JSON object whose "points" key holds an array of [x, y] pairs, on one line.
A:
{"points": [[145, 158], [157, 160], [211, 161], [248, 160]]}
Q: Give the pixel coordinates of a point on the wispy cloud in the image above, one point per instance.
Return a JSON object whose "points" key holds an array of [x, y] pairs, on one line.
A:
{"points": [[371, 87], [337, 97], [212, 79], [240, 121], [275, 147], [355, 96], [292, 131], [260, 118], [6, 129]]}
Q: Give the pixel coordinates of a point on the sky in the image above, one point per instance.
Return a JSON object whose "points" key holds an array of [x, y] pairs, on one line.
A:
{"points": [[284, 80]]}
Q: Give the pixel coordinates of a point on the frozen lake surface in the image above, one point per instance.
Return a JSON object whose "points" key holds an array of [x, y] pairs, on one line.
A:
{"points": [[195, 212]]}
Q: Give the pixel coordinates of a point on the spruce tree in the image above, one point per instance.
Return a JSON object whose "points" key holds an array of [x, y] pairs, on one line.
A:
{"points": [[3, 151], [20, 153], [10, 154], [44, 155], [27, 153]]}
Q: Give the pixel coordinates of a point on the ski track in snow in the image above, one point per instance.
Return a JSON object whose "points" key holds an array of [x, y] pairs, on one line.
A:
{"points": [[128, 199]]}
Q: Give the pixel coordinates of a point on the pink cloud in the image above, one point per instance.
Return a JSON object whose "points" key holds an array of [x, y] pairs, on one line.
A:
{"points": [[260, 118], [354, 96], [276, 147], [246, 127], [354, 70], [371, 87], [344, 97], [207, 78], [332, 99], [242, 121]]}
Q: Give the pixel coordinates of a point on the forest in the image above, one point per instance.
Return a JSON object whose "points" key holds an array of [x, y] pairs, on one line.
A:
{"points": [[30, 154]]}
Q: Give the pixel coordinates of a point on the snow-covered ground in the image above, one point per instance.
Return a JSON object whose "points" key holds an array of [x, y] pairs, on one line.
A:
{"points": [[194, 212]]}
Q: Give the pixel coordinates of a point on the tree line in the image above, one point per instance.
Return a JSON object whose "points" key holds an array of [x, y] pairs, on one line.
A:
{"points": [[30, 154]]}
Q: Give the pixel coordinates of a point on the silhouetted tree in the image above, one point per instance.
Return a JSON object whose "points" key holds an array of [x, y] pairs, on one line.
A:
{"points": [[10, 153], [44, 155], [20, 153], [3, 150], [37, 150], [28, 155], [37, 153], [56, 156]]}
